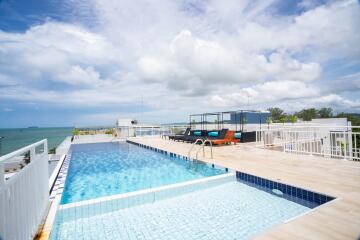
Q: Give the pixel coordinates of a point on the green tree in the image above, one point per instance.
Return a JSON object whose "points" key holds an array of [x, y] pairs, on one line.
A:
{"points": [[109, 131], [325, 112], [276, 113], [307, 114], [353, 118], [283, 119], [75, 131], [293, 118]]}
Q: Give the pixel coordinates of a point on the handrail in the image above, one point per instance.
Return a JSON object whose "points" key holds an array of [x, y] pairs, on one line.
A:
{"points": [[211, 146], [295, 126], [328, 142], [25, 196], [197, 152], [24, 150], [203, 148], [193, 145]]}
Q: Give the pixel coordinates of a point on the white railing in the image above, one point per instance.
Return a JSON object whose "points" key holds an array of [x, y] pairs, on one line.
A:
{"points": [[147, 131], [143, 131], [24, 197], [173, 129], [329, 141]]}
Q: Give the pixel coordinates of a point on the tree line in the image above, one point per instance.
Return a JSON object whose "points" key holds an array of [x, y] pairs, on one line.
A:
{"points": [[278, 115]]}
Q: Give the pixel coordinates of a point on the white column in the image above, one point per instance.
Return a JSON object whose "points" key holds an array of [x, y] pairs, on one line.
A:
{"points": [[32, 154], [46, 150]]}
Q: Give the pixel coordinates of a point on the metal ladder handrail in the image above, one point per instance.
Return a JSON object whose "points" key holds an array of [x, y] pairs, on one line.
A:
{"points": [[193, 145], [211, 146], [203, 148]]}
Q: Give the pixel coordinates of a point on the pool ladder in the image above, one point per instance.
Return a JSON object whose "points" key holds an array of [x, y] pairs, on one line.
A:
{"points": [[202, 146]]}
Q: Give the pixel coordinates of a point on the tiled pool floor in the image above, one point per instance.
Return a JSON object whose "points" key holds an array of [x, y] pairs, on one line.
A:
{"points": [[230, 211]]}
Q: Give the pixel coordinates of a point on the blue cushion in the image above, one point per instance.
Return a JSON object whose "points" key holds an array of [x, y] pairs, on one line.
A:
{"points": [[213, 134], [238, 135], [197, 133]]}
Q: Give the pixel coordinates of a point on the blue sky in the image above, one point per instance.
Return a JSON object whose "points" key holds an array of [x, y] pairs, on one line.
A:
{"points": [[81, 63]]}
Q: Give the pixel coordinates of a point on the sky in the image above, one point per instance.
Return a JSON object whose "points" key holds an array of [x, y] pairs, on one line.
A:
{"points": [[89, 62]]}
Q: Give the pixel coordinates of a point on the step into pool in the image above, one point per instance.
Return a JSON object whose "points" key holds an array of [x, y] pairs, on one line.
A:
{"points": [[231, 210]]}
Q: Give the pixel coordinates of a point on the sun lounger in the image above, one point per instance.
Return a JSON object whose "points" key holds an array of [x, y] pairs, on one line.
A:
{"points": [[228, 139], [210, 135], [194, 135], [179, 136]]}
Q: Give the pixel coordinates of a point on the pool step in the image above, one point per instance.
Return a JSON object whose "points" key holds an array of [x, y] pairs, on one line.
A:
{"points": [[120, 201]]}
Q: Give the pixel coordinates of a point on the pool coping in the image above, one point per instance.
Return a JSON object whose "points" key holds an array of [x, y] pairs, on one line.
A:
{"points": [[56, 172], [54, 198]]}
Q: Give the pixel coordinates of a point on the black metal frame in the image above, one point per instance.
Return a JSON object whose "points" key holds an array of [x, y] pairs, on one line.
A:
{"points": [[220, 117]]}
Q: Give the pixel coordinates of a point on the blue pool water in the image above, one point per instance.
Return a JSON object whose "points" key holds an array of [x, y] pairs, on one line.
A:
{"points": [[103, 169], [230, 211]]}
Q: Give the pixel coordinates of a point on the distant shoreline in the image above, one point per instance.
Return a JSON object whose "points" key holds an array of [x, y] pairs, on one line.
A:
{"points": [[31, 127]]}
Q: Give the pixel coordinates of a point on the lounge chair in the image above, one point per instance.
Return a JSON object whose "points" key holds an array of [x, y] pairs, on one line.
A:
{"points": [[210, 135], [179, 136], [248, 136], [194, 135], [228, 139], [237, 137], [216, 135]]}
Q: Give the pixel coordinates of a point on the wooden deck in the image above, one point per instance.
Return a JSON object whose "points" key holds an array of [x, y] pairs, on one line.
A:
{"points": [[339, 219]]}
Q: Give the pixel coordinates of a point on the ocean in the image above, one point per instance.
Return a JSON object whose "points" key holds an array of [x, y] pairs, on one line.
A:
{"points": [[15, 138]]}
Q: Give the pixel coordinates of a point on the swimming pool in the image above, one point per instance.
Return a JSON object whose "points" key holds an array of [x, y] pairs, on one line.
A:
{"points": [[103, 169], [167, 197]]}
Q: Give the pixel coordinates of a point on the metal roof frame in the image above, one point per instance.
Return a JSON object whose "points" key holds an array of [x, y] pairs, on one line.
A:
{"points": [[220, 116]]}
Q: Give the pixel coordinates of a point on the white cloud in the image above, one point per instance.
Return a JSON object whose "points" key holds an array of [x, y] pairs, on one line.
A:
{"points": [[197, 63], [336, 101], [267, 92], [217, 54], [49, 51], [79, 75]]}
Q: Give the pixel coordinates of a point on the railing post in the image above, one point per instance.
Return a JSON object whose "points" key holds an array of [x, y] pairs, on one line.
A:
{"points": [[32, 154], [46, 149], [2, 175]]}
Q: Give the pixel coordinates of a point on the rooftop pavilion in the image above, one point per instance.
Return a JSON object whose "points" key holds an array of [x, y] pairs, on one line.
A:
{"points": [[233, 120]]}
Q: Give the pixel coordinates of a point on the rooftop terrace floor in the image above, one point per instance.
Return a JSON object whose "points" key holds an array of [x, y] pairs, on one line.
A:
{"points": [[339, 219]]}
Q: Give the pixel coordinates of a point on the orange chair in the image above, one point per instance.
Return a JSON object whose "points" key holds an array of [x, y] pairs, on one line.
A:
{"points": [[228, 139]]}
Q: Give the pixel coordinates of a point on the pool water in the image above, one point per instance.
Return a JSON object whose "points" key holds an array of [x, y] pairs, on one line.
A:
{"points": [[231, 210], [103, 169]]}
